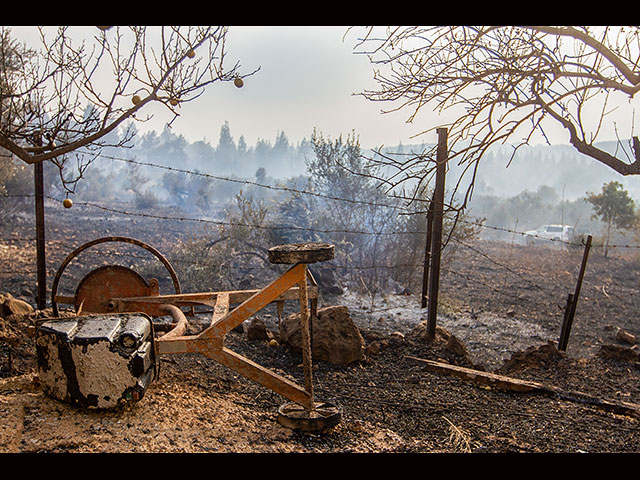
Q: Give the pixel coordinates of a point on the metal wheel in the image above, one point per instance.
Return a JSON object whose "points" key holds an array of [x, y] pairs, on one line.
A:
{"points": [[324, 416], [102, 273]]}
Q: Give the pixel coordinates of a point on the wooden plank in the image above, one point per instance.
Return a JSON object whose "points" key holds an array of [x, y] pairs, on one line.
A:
{"points": [[517, 385], [478, 376]]}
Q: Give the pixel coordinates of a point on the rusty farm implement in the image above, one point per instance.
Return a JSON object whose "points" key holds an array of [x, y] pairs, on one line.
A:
{"points": [[107, 352]]}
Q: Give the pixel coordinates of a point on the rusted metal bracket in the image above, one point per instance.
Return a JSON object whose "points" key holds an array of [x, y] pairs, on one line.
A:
{"points": [[209, 342]]}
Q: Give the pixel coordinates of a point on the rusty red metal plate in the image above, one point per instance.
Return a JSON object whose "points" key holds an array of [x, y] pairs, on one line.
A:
{"points": [[104, 283]]}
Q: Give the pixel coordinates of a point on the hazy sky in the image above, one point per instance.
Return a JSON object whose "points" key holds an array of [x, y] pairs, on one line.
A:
{"points": [[308, 79]]}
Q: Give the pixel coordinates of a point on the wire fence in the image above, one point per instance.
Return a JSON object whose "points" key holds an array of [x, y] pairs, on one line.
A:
{"points": [[109, 209], [447, 269], [180, 218], [393, 196]]}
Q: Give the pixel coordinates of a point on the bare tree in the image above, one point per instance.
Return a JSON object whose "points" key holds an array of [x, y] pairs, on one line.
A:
{"points": [[74, 93], [506, 83]]}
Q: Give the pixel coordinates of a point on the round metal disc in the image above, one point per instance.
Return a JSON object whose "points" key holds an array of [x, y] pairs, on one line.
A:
{"points": [[324, 416], [111, 281]]}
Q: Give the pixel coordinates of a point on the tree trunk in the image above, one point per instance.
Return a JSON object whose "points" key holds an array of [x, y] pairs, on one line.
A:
{"points": [[606, 243]]}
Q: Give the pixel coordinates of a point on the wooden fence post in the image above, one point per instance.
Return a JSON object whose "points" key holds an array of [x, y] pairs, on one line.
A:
{"points": [[436, 243], [572, 303]]}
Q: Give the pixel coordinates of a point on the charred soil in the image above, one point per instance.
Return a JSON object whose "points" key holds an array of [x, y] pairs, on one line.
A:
{"points": [[501, 312]]}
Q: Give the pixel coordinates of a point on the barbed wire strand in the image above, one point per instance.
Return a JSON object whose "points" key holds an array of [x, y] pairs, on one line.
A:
{"points": [[281, 188], [309, 229]]}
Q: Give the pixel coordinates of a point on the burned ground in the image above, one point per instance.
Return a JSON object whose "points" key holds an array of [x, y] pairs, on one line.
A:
{"points": [[501, 312]]}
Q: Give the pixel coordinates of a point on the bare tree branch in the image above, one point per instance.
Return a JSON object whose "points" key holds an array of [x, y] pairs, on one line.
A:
{"points": [[506, 84], [75, 93]]}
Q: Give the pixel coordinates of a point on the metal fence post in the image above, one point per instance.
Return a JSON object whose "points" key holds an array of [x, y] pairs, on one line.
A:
{"points": [[427, 255], [41, 295], [571, 306]]}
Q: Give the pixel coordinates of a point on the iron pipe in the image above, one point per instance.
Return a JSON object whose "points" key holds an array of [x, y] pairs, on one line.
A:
{"points": [[180, 320]]}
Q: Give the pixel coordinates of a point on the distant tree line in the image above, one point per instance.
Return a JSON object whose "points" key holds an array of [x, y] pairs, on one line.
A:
{"points": [[379, 239]]}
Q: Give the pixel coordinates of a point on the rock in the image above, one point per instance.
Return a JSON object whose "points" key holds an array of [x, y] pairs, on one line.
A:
{"points": [[397, 335], [395, 339], [373, 348], [620, 353], [625, 337], [13, 306], [257, 330], [334, 336]]}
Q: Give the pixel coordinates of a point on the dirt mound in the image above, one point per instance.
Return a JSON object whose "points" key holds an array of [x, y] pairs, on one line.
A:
{"points": [[445, 346], [544, 357], [619, 353]]}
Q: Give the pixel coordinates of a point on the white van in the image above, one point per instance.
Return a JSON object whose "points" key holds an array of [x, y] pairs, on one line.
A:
{"points": [[559, 233]]}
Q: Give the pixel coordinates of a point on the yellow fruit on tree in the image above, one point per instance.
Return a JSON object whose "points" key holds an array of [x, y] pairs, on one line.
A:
{"points": [[191, 53], [136, 99], [173, 102], [238, 82], [67, 203]]}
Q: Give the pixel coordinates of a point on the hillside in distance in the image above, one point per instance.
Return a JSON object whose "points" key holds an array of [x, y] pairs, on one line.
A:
{"points": [[561, 167]]}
